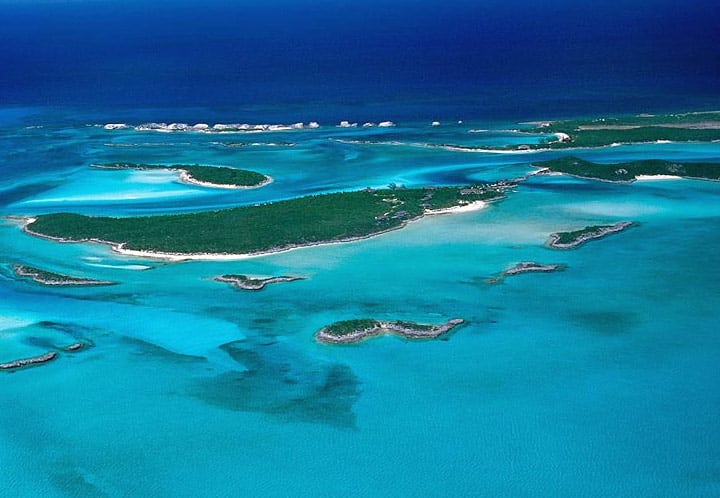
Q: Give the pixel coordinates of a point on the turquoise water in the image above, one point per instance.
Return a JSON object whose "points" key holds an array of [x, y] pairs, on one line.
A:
{"points": [[600, 380]]}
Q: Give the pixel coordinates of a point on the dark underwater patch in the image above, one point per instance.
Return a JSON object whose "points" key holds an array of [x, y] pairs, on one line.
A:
{"points": [[283, 385], [144, 348], [16, 194], [604, 322]]}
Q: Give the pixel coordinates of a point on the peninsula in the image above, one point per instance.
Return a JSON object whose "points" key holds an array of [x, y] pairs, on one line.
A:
{"points": [[349, 331], [204, 176], [44, 277], [264, 228], [630, 171], [570, 240], [252, 284]]}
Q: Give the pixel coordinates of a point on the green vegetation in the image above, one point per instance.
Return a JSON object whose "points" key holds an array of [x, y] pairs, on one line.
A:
{"points": [[45, 277], [567, 238], [414, 326], [216, 175], [274, 226], [348, 327], [628, 171]]}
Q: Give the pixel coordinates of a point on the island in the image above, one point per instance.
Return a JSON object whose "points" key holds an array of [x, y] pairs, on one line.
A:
{"points": [[570, 240], [610, 131], [601, 132], [265, 228], [204, 176], [350, 331], [252, 284], [44, 277], [532, 267], [28, 362], [630, 171]]}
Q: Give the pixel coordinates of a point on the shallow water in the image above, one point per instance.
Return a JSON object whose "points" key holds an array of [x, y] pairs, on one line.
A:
{"points": [[596, 380]]}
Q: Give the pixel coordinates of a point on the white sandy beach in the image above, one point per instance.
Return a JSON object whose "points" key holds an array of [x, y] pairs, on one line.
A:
{"points": [[641, 178]]}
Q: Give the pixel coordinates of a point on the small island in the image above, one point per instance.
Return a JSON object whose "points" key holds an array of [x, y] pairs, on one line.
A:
{"points": [[204, 176], [44, 277], [532, 267], [265, 228], [630, 171], [570, 240], [252, 284], [29, 362], [350, 331]]}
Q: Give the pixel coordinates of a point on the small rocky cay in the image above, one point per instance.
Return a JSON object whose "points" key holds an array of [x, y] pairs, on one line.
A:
{"points": [[570, 240], [349, 331], [253, 284], [29, 362]]}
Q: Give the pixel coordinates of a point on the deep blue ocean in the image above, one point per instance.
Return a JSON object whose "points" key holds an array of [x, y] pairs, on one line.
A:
{"points": [[599, 380], [422, 59]]}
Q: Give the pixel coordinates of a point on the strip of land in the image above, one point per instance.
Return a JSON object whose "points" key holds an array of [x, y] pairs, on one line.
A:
{"points": [[350, 331], [603, 132], [28, 362], [252, 284], [570, 240], [204, 176], [630, 171], [264, 228], [44, 277]]}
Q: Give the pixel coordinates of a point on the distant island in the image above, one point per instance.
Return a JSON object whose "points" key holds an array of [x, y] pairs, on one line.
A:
{"points": [[604, 132], [252, 284], [630, 171], [264, 228], [44, 277], [570, 240], [349, 331], [204, 176], [600, 132]]}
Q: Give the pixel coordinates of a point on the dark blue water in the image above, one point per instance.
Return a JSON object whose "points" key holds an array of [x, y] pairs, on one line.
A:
{"points": [[327, 59]]}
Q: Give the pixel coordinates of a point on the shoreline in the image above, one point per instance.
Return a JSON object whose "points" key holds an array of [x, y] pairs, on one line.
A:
{"points": [[118, 247]]}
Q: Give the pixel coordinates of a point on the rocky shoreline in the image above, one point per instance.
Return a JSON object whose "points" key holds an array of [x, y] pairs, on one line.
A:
{"points": [[579, 237], [253, 284], [334, 334]]}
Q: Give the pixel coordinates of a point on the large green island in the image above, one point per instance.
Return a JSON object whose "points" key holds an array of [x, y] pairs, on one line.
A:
{"points": [[630, 171], [603, 132], [205, 176], [263, 228]]}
